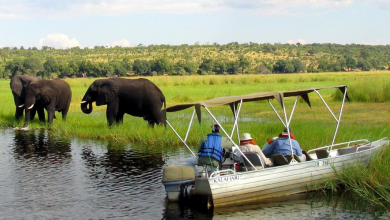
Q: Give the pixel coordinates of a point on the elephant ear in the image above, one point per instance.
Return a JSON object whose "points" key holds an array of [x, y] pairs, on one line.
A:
{"points": [[17, 86], [46, 94], [107, 92]]}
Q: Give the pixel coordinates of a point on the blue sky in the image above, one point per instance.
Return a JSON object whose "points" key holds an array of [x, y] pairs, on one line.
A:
{"points": [[89, 23]]}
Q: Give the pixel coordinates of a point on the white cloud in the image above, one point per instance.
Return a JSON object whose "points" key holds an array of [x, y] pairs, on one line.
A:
{"points": [[121, 43], [58, 41], [301, 41], [377, 42]]}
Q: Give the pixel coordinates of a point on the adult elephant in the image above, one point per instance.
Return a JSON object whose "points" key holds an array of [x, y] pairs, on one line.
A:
{"points": [[53, 95], [137, 97], [18, 86]]}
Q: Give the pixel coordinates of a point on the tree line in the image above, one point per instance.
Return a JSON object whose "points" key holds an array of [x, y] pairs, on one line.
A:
{"points": [[232, 58]]}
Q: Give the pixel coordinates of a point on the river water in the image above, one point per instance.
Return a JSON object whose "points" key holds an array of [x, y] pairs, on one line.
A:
{"points": [[47, 177]]}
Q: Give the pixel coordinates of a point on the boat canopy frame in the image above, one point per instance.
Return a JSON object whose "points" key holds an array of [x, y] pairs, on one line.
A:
{"points": [[236, 103]]}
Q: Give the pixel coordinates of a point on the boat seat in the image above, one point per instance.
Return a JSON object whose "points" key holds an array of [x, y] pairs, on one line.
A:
{"points": [[308, 157], [279, 160], [254, 158], [298, 159], [346, 150], [364, 148], [208, 163], [321, 154]]}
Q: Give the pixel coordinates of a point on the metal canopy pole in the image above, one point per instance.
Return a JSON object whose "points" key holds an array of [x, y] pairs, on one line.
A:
{"points": [[288, 132], [180, 138], [236, 115], [189, 126], [293, 110], [338, 121], [216, 121], [334, 116], [323, 100], [287, 124], [277, 114], [235, 120]]}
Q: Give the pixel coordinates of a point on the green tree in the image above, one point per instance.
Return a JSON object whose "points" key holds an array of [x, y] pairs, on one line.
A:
{"points": [[233, 67], [207, 65], [324, 64], [15, 66], [162, 65], [289, 68], [299, 67], [243, 63], [191, 67], [280, 66], [350, 63], [119, 68], [32, 66], [363, 65], [220, 67], [141, 66], [51, 67]]}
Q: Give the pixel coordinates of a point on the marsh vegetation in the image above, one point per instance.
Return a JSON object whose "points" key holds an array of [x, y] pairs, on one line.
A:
{"points": [[366, 116]]}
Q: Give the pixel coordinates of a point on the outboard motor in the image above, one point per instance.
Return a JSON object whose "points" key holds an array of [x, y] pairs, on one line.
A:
{"points": [[175, 178]]}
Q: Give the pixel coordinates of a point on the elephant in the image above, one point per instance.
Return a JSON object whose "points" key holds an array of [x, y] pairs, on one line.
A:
{"points": [[137, 97], [53, 95], [18, 86]]}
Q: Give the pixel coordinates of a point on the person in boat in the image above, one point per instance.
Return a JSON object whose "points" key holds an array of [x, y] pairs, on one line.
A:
{"points": [[210, 150], [247, 144], [282, 146], [269, 142]]}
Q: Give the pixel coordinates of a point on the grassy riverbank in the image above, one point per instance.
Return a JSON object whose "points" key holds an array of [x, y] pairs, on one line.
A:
{"points": [[367, 116]]}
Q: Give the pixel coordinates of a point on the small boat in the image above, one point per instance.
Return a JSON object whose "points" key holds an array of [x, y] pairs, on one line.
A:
{"points": [[227, 185]]}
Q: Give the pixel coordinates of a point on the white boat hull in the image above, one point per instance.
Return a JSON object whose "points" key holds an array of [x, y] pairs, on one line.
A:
{"points": [[244, 187]]}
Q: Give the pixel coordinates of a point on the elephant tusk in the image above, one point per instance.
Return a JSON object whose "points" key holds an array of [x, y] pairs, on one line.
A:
{"points": [[31, 106], [83, 102], [21, 106]]}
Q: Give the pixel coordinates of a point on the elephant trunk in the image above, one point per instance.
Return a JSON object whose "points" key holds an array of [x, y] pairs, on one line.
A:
{"points": [[85, 108]]}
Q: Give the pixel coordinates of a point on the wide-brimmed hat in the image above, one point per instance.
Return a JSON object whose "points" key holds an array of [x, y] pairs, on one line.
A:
{"points": [[246, 136]]}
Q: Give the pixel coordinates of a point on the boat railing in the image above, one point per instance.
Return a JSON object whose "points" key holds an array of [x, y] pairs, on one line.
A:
{"points": [[348, 143], [222, 172]]}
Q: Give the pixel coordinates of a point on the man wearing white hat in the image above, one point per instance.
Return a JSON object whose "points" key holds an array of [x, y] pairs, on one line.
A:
{"points": [[248, 145]]}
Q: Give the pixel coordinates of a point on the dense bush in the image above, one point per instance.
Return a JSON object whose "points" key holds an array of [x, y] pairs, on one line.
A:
{"points": [[232, 58]]}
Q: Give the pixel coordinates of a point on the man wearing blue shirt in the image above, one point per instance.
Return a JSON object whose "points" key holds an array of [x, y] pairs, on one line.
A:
{"points": [[282, 146]]}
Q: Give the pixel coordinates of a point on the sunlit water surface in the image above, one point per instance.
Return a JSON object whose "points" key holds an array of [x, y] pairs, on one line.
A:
{"points": [[46, 177]]}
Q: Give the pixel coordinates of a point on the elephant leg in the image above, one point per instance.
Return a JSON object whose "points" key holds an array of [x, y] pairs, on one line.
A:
{"points": [[64, 114], [50, 113], [151, 123], [27, 116], [156, 117], [50, 116], [19, 113], [119, 117], [66, 109], [33, 112], [111, 113], [41, 114]]}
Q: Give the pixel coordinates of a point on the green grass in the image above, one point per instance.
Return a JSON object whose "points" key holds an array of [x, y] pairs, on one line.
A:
{"points": [[367, 116], [371, 183], [360, 120]]}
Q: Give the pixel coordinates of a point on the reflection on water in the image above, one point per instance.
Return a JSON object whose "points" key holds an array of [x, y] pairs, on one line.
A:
{"points": [[315, 205], [46, 177]]}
